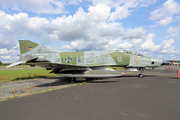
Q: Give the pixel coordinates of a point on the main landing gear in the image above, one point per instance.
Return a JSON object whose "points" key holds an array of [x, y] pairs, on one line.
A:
{"points": [[141, 70]]}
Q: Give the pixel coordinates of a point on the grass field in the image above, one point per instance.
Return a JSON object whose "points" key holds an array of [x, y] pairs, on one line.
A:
{"points": [[19, 66], [14, 75]]}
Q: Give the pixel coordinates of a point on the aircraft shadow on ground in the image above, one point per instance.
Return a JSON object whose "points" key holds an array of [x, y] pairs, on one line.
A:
{"points": [[138, 77], [103, 81], [66, 81], [60, 81]]}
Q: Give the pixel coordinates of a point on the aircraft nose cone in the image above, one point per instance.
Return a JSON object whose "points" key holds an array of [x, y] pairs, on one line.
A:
{"points": [[123, 73], [165, 62]]}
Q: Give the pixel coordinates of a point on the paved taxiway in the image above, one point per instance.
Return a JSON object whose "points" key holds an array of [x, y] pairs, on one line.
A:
{"points": [[125, 98]]}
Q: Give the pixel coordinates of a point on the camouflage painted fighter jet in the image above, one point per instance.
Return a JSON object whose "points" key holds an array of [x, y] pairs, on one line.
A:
{"points": [[84, 64]]}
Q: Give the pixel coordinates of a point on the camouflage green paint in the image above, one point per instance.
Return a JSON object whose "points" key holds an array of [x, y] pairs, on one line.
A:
{"points": [[26, 45], [71, 57], [125, 59]]}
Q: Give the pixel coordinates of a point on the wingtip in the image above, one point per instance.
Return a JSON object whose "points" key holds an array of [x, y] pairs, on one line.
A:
{"points": [[9, 66]]}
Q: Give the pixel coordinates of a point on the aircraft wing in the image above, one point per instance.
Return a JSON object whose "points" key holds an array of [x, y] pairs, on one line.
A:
{"points": [[56, 65], [78, 71]]}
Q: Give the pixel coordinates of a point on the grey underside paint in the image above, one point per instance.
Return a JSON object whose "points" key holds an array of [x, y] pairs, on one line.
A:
{"points": [[89, 76], [93, 74]]}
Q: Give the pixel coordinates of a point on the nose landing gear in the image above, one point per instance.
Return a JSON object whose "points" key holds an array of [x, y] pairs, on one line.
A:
{"points": [[141, 70]]}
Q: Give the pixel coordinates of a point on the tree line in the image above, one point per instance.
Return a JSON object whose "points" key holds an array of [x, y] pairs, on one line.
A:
{"points": [[1, 63]]}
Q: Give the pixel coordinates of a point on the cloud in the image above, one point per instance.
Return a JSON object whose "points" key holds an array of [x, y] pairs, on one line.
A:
{"points": [[5, 57], [165, 21], [74, 1], [110, 40], [165, 12], [85, 30], [123, 8], [120, 13], [134, 33], [113, 29], [18, 26], [173, 31], [149, 45], [99, 12], [171, 35], [116, 3], [123, 45], [58, 7], [166, 44], [165, 47], [4, 51], [37, 6], [9, 55], [90, 26]]}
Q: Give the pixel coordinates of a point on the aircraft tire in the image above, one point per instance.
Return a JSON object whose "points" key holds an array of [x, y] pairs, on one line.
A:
{"points": [[141, 75]]}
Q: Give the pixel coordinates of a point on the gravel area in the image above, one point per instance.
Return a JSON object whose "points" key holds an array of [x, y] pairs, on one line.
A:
{"points": [[32, 86]]}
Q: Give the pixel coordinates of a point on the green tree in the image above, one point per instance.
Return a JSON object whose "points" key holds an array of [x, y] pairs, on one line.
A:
{"points": [[1, 63]]}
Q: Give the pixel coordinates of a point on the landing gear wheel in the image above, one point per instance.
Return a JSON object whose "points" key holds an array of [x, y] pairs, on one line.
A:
{"points": [[141, 71], [141, 75]]}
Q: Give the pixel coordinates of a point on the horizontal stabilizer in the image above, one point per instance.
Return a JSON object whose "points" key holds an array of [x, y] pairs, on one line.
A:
{"points": [[16, 63], [20, 62]]}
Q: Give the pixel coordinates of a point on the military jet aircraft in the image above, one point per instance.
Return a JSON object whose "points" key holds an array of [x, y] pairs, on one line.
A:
{"points": [[84, 64]]}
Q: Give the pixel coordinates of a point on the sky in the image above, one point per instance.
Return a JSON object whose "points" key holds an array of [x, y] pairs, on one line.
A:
{"points": [[151, 27]]}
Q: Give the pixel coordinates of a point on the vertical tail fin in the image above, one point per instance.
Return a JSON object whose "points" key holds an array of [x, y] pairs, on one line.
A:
{"points": [[26, 45], [36, 55]]}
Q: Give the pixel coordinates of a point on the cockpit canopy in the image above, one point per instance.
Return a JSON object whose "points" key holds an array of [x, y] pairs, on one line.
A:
{"points": [[132, 52]]}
